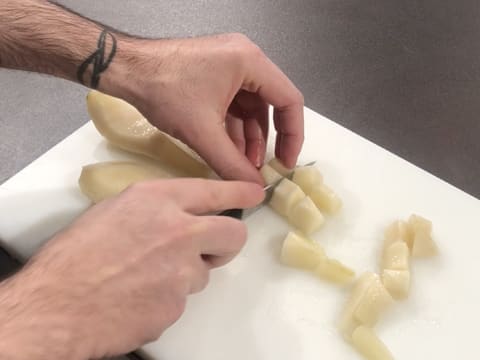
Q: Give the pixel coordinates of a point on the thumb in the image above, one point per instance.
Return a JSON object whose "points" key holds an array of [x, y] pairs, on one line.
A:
{"points": [[213, 144]]}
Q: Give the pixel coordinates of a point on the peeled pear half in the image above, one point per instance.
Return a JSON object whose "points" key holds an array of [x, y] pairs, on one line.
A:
{"points": [[124, 126], [104, 180]]}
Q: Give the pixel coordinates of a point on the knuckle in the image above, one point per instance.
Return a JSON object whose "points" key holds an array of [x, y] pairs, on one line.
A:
{"points": [[141, 187], [175, 310], [300, 99], [239, 38], [202, 281], [134, 188], [239, 231], [244, 47], [239, 141], [256, 51], [194, 277]]}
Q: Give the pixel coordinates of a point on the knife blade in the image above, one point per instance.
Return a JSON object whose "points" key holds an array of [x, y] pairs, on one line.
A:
{"points": [[244, 213]]}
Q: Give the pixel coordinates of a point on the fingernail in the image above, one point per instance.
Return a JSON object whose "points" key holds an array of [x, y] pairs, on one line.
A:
{"points": [[258, 161], [258, 157]]}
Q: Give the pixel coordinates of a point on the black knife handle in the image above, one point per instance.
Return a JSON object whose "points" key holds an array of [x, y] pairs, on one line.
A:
{"points": [[233, 213], [8, 264]]}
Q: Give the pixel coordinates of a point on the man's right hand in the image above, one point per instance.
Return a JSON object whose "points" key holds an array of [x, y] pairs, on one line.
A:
{"points": [[213, 94], [120, 274]]}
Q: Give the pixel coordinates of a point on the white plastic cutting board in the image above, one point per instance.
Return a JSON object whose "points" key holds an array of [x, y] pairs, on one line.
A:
{"points": [[255, 308]]}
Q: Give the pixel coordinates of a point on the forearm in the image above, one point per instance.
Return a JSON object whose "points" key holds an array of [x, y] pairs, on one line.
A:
{"points": [[34, 324], [39, 36]]}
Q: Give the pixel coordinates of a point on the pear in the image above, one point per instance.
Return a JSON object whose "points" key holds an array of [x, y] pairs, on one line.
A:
{"points": [[306, 217], [279, 167], [125, 127], [334, 271], [423, 244], [399, 230], [103, 180], [269, 174], [367, 343], [300, 252], [396, 256], [325, 199], [307, 177], [347, 321], [285, 196], [373, 304], [397, 283]]}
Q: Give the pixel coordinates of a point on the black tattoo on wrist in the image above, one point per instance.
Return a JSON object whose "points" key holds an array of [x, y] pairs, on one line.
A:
{"points": [[98, 60]]}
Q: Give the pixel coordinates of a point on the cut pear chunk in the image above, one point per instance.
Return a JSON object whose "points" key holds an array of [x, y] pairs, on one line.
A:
{"points": [[306, 217], [300, 252], [398, 231], [269, 174], [334, 271], [423, 244], [397, 283], [367, 343], [375, 301], [279, 167], [347, 321], [325, 199], [124, 126], [285, 196], [396, 256], [307, 177], [104, 180]]}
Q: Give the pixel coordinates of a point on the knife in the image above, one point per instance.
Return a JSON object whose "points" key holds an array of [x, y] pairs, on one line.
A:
{"points": [[241, 214]]}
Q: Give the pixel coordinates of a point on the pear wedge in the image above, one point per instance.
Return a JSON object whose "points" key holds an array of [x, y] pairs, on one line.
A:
{"points": [[104, 180], [125, 127]]}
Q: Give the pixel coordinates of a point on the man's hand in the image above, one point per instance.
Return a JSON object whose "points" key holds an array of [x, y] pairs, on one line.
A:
{"points": [[120, 274], [213, 93]]}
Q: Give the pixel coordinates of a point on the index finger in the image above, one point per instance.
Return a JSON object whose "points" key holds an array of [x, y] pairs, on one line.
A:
{"points": [[274, 87], [201, 196]]}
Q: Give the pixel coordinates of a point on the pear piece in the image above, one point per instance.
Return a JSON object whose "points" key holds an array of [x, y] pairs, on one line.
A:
{"points": [[300, 252], [367, 343], [279, 167], [398, 231], [347, 321], [334, 271], [306, 217], [375, 301], [325, 199], [269, 174], [396, 256], [285, 196], [423, 244], [397, 283], [307, 177]]}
